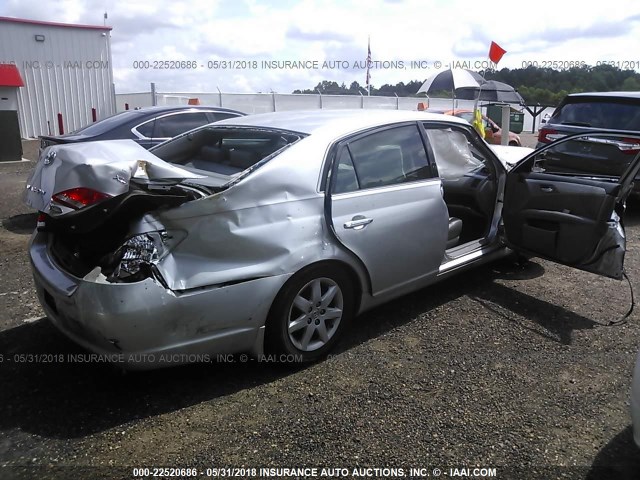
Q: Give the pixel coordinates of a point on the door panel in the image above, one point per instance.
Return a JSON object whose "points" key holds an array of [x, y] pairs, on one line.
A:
{"points": [[402, 231], [555, 217], [570, 219], [386, 208]]}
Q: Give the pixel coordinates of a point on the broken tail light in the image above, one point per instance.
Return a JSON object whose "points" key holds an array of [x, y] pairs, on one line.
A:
{"points": [[80, 197], [138, 251], [136, 258]]}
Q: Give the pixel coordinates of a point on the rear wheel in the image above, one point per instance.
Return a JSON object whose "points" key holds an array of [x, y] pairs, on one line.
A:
{"points": [[310, 313]]}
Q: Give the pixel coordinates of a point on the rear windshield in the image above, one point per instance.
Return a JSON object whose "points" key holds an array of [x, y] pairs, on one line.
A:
{"points": [[605, 113], [221, 152]]}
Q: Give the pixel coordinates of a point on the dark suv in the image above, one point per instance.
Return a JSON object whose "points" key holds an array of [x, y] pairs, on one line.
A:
{"points": [[612, 112]]}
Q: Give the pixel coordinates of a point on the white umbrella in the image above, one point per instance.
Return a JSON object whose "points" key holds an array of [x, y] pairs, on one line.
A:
{"points": [[450, 80]]}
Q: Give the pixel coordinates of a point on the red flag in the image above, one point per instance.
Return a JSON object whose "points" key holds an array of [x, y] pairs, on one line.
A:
{"points": [[496, 52]]}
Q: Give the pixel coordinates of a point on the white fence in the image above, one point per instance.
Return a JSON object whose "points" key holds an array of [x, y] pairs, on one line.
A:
{"points": [[271, 102]]}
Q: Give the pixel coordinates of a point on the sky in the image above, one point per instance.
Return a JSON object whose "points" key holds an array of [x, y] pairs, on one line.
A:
{"points": [[244, 46]]}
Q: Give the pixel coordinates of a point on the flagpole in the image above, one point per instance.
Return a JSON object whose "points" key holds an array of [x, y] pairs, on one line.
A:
{"points": [[368, 66], [484, 74], [453, 94], [475, 106]]}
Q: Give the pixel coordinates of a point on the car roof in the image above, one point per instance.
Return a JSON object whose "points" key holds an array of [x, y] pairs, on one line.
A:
{"points": [[176, 108], [606, 94], [341, 121]]}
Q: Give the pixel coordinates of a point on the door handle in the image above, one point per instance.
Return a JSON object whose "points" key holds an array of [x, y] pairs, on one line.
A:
{"points": [[547, 188], [358, 222]]}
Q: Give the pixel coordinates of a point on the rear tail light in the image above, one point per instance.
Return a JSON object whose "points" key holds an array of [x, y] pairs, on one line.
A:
{"points": [[629, 146], [548, 135], [41, 223], [78, 198]]}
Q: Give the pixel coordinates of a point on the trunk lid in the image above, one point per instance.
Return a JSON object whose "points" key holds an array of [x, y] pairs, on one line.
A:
{"points": [[106, 167]]}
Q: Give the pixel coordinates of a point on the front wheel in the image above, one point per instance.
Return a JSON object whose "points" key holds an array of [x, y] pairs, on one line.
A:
{"points": [[310, 313]]}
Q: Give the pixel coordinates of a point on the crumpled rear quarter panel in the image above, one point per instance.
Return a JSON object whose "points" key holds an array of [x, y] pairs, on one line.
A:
{"points": [[270, 223]]}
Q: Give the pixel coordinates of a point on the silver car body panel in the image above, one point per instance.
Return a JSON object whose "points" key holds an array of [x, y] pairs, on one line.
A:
{"points": [[107, 167], [240, 245], [138, 322], [397, 217]]}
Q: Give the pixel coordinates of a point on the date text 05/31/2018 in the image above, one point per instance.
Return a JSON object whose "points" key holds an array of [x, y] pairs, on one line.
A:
{"points": [[283, 64]]}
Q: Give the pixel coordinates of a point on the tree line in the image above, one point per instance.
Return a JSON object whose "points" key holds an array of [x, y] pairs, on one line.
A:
{"points": [[544, 86]]}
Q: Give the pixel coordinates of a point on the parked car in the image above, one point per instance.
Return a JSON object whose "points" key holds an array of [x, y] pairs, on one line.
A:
{"points": [[635, 402], [268, 233], [493, 133], [146, 126], [615, 112]]}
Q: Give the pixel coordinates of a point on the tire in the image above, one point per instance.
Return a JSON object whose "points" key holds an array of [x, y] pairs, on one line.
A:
{"points": [[513, 144], [310, 313]]}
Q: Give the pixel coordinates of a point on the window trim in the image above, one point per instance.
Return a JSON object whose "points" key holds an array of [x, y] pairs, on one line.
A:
{"points": [[387, 188], [140, 136], [328, 177]]}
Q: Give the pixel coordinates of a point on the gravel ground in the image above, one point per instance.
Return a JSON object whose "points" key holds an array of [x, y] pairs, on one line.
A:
{"points": [[503, 367], [528, 139]]}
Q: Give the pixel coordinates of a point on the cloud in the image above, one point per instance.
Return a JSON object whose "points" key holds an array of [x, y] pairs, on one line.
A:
{"points": [[296, 33], [333, 30], [595, 30]]}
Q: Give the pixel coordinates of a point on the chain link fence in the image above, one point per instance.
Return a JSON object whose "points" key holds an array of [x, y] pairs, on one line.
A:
{"points": [[272, 102]]}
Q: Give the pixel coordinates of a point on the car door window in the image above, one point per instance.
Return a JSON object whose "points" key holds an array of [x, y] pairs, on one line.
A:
{"points": [[346, 179], [468, 177], [387, 157], [146, 129], [589, 155], [455, 153], [172, 125], [216, 116]]}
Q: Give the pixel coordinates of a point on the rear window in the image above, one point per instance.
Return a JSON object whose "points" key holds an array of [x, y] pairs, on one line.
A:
{"points": [[606, 113], [224, 151]]}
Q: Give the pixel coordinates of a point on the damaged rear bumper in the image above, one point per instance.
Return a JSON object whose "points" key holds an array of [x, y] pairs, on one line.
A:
{"points": [[143, 325]]}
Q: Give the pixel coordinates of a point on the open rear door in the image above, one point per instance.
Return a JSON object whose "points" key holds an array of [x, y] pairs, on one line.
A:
{"points": [[564, 201]]}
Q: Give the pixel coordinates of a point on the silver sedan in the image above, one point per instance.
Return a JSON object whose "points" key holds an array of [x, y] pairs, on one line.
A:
{"points": [[267, 234]]}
